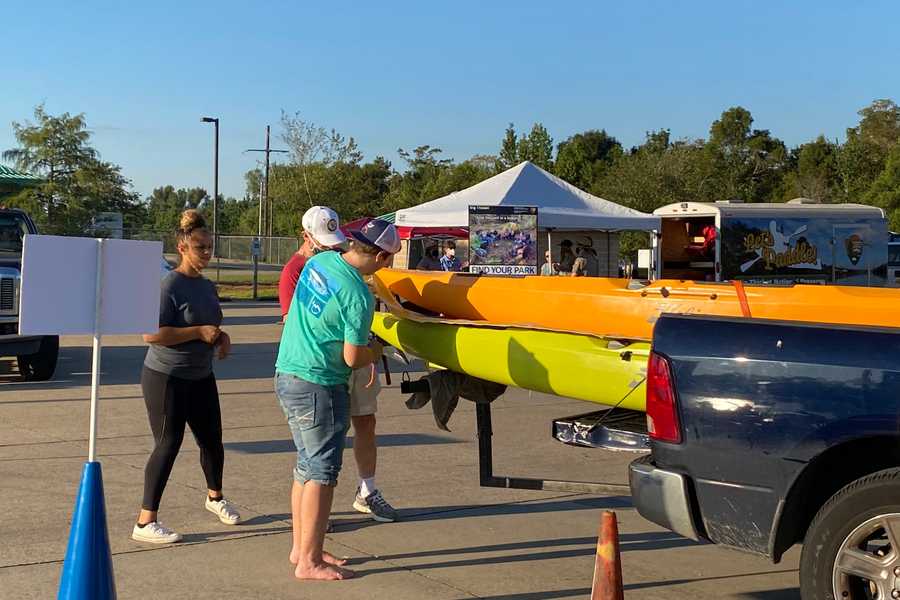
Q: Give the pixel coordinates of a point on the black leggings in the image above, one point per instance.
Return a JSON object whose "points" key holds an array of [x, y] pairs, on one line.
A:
{"points": [[172, 403]]}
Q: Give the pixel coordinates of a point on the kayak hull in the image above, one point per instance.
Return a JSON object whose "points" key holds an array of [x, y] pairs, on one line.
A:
{"points": [[570, 365], [612, 308]]}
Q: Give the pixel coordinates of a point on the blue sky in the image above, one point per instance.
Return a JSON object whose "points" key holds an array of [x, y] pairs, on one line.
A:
{"points": [[449, 74]]}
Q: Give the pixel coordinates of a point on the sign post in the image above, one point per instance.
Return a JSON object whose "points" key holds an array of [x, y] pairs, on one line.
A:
{"points": [[111, 286], [255, 251]]}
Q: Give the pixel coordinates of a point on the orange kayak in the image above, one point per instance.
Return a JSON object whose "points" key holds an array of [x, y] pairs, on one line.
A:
{"points": [[619, 308]]}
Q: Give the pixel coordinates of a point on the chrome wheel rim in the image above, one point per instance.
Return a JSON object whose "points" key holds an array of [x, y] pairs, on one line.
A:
{"points": [[867, 565]]}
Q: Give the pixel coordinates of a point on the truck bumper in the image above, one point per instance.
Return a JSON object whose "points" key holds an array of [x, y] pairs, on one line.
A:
{"points": [[662, 497], [18, 345]]}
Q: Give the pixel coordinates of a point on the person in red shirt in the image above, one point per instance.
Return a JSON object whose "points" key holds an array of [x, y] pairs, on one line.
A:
{"points": [[321, 232], [318, 235]]}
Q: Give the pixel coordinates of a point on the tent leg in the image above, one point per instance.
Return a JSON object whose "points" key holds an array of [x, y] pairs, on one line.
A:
{"points": [[550, 248]]}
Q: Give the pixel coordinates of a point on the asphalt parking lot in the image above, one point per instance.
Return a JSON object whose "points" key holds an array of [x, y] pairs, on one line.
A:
{"points": [[456, 540]]}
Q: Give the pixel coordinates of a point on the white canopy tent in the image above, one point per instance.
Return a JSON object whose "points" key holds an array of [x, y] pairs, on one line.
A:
{"points": [[561, 206]]}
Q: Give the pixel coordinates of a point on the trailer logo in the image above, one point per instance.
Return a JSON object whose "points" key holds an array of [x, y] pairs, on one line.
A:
{"points": [[854, 245], [774, 248]]}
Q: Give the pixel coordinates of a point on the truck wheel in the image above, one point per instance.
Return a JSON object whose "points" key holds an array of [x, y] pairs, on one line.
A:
{"points": [[852, 548], [40, 365]]}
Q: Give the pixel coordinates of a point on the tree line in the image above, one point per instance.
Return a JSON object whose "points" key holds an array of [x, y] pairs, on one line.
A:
{"points": [[735, 162]]}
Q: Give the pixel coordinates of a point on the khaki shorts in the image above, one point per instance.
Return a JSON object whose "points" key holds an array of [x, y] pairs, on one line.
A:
{"points": [[363, 400]]}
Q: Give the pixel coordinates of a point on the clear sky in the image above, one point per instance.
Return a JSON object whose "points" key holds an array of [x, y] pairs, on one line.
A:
{"points": [[448, 74]]}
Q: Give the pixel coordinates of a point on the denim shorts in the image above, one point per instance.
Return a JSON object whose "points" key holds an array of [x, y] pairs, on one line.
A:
{"points": [[319, 417]]}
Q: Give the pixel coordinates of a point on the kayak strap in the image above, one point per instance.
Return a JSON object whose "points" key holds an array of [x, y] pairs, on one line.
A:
{"points": [[742, 298]]}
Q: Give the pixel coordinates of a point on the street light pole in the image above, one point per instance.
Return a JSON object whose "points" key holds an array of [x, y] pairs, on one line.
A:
{"points": [[215, 219]]}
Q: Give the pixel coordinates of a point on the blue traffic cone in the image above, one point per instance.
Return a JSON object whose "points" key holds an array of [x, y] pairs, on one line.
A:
{"points": [[87, 571]]}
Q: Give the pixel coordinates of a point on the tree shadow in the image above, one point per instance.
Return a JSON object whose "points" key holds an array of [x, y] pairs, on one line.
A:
{"points": [[537, 550], [384, 441], [442, 513], [543, 595], [782, 594], [122, 365]]}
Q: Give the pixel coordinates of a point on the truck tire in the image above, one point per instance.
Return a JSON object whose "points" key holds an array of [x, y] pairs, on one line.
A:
{"points": [[852, 547], [40, 365]]}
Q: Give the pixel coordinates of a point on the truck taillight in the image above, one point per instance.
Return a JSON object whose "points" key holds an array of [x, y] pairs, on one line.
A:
{"points": [[662, 414]]}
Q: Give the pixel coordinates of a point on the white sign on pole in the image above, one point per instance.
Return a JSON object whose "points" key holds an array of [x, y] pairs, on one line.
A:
{"points": [[84, 285], [59, 286]]}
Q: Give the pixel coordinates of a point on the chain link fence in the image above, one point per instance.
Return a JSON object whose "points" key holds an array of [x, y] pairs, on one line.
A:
{"points": [[272, 250], [237, 248]]}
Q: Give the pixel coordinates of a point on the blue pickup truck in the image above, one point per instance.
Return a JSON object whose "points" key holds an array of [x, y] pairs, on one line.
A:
{"points": [[765, 434]]}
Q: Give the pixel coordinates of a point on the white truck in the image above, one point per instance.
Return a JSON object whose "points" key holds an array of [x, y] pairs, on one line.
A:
{"points": [[36, 355]]}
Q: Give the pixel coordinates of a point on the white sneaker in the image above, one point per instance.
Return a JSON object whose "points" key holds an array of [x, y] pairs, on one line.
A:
{"points": [[155, 533], [225, 510]]}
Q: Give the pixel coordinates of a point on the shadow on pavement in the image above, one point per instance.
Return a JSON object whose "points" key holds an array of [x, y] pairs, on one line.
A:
{"points": [[384, 440], [440, 513], [550, 549], [121, 365], [782, 594], [251, 320], [767, 595], [628, 542], [544, 595]]}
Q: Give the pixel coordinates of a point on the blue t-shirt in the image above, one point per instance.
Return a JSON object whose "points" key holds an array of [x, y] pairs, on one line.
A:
{"points": [[331, 305], [450, 264]]}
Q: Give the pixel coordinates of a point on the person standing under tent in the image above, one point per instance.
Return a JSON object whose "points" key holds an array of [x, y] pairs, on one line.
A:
{"points": [[449, 262], [431, 261], [178, 383]]}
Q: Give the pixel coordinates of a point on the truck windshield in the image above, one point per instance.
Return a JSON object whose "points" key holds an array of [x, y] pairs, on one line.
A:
{"points": [[12, 229]]}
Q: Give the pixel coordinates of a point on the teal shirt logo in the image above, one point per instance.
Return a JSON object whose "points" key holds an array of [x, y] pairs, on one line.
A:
{"points": [[314, 290]]}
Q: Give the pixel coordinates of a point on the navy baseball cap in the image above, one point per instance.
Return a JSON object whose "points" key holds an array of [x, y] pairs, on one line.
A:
{"points": [[380, 234]]}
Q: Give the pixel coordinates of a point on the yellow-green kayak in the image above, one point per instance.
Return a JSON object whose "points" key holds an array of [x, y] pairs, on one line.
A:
{"points": [[565, 364]]}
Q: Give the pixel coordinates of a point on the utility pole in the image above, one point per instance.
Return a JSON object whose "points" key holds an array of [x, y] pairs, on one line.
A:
{"points": [[215, 219], [265, 208]]}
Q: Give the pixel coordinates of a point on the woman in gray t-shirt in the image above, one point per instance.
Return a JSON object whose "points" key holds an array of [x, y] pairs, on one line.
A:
{"points": [[178, 382]]}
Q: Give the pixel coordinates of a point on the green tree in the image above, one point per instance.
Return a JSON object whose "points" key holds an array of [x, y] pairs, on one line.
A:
{"points": [[509, 150], [655, 174], [537, 147], [410, 188], [816, 172], [77, 183], [582, 158], [862, 157], [747, 164], [165, 205], [312, 144], [885, 191]]}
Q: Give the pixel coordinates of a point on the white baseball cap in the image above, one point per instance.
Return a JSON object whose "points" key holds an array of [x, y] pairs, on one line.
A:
{"points": [[324, 226]]}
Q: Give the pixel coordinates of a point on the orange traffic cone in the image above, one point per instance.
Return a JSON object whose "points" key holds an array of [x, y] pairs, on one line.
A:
{"points": [[607, 564]]}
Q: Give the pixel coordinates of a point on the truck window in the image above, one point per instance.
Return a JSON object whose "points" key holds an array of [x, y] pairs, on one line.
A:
{"points": [[12, 229], [894, 254], [688, 248]]}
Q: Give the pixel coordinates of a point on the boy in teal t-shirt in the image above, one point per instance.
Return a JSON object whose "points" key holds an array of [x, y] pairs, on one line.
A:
{"points": [[332, 305], [325, 337]]}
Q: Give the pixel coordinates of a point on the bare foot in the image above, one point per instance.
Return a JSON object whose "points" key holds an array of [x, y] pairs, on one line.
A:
{"points": [[322, 571], [328, 557]]}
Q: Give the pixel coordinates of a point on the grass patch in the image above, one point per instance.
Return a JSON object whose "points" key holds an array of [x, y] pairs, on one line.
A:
{"points": [[264, 278], [244, 291]]}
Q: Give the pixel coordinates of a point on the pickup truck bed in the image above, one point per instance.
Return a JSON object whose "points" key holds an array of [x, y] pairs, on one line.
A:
{"points": [[775, 418]]}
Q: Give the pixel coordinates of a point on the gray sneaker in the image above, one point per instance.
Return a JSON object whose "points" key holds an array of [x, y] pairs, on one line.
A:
{"points": [[375, 505]]}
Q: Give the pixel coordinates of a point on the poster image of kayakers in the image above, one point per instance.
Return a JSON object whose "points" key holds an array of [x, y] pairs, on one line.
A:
{"points": [[503, 240]]}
